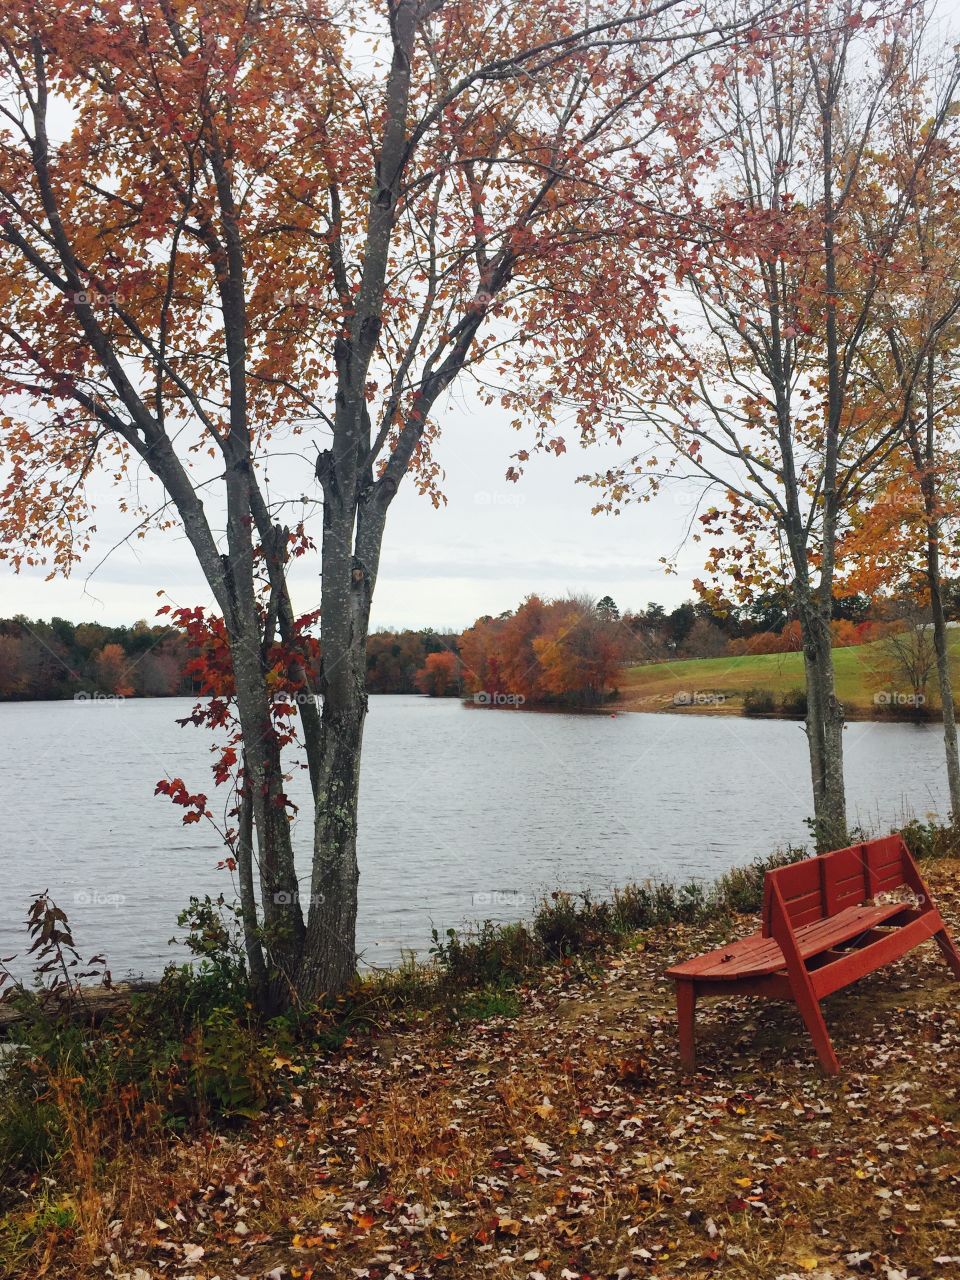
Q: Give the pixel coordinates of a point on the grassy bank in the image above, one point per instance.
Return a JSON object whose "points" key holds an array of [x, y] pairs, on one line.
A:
{"points": [[517, 1097], [653, 686]]}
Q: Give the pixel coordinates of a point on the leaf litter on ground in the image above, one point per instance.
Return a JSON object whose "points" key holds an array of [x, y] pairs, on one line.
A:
{"points": [[564, 1144]]}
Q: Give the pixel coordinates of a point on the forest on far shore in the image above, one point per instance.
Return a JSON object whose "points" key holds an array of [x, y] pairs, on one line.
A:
{"points": [[568, 650]]}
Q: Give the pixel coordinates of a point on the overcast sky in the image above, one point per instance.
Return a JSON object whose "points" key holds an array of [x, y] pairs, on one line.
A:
{"points": [[492, 545]]}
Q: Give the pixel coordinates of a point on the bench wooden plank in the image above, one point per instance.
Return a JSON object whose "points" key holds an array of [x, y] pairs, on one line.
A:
{"points": [[857, 964], [756, 954], [821, 929]]}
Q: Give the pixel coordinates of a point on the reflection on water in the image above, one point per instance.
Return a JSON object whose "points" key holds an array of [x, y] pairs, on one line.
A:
{"points": [[465, 814]]}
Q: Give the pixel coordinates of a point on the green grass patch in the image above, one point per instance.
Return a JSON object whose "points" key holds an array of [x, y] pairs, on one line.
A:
{"points": [[499, 1001], [779, 674]]}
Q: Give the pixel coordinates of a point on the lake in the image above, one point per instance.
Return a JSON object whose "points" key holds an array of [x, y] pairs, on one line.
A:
{"points": [[466, 814]]}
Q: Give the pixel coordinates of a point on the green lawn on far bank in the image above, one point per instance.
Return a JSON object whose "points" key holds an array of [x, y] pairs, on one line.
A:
{"points": [[652, 686]]}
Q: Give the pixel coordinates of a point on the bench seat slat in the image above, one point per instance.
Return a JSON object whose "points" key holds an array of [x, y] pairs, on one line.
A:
{"points": [[857, 964], [755, 955]]}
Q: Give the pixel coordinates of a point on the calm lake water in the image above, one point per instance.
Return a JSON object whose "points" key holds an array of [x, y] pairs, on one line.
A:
{"points": [[465, 814]]}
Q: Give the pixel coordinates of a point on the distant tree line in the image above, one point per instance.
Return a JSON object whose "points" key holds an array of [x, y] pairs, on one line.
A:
{"points": [[768, 624], [564, 651], [60, 659], [398, 660]]}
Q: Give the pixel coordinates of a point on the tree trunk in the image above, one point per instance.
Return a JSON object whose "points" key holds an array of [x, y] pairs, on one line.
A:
{"points": [[814, 727], [283, 927], [329, 959], [832, 827], [940, 644], [831, 819], [256, 965], [824, 731], [924, 461], [350, 558]]}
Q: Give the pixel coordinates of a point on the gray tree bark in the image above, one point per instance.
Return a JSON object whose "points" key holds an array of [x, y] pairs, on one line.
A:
{"points": [[928, 486]]}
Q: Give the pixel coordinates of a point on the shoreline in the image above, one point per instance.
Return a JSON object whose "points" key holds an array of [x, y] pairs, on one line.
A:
{"points": [[735, 710], [620, 705], [729, 708]]}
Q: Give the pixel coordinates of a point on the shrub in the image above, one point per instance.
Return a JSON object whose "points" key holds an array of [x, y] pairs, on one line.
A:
{"points": [[186, 995], [740, 889], [641, 906], [227, 1066], [31, 1129], [794, 703], [484, 954], [932, 839], [189, 1051], [758, 702], [566, 924]]}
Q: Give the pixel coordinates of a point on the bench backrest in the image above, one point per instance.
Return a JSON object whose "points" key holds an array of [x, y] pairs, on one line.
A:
{"points": [[822, 886]]}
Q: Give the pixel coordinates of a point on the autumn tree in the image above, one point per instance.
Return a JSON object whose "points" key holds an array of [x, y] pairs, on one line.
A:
{"points": [[498, 656], [393, 660], [110, 665], [158, 674], [579, 652], [901, 539], [441, 675], [45, 670], [547, 651], [905, 658], [246, 250], [705, 640], [754, 380]]}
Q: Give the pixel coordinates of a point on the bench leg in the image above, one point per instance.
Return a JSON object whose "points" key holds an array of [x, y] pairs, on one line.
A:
{"points": [[686, 1015], [949, 948], [812, 1016]]}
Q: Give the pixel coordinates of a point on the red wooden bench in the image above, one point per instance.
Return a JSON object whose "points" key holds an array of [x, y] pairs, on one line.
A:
{"points": [[826, 922]]}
